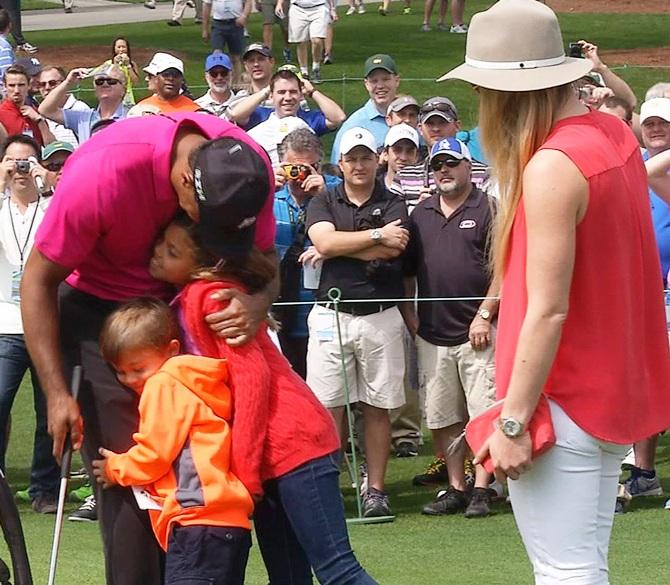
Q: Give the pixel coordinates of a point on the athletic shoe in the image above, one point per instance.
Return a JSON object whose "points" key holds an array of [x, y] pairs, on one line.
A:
{"points": [[197, 21], [496, 490], [407, 10], [67, 10], [316, 76], [150, 4], [667, 505], [381, 10], [442, 26], [246, 33], [327, 59], [23, 496], [363, 481], [286, 55], [406, 449], [637, 485], [190, 3], [45, 504], [459, 29], [623, 499], [425, 27], [361, 9], [449, 501], [27, 48], [173, 23], [81, 493], [351, 10], [479, 505], [435, 474], [375, 504], [87, 512]]}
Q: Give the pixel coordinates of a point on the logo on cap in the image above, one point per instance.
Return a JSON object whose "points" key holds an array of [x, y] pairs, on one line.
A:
{"points": [[377, 60], [359, 136]]}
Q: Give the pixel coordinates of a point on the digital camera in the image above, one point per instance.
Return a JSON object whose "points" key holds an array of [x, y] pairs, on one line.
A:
{"points": [[22, 166], [297, 172]]}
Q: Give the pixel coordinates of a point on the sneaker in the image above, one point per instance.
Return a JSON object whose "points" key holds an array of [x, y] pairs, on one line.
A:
{"points": [[667, 505], [327, 59], [361, 9], [81, 493], [316, 76], [496, 490], [459, 29], [67, 10], [623, 499], [363, 481], [442, 26], [173, 23], [150, 4], [27, 48], [351, 10], [45, 504], [425, 27], [246, 33], [286, 55], [619, 507], [375, 504], [197, 21], [23, 496], [407, 10], [406, 449], [381, 10], [449, 501], [637, 485], [87, 512], [190, 3], [435, 474], [479, 505]]}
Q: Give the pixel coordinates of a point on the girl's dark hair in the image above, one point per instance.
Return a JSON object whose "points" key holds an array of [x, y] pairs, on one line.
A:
{"points": [[130, 56], [253, 270]]}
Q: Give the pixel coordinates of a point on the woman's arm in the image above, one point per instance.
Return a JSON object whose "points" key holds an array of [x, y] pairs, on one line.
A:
{"points": [[658, 172], [555, 200]]}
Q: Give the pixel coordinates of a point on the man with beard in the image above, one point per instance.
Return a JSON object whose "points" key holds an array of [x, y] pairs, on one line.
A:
{"points": [[217, 75], [447, 256], [166, 77]]}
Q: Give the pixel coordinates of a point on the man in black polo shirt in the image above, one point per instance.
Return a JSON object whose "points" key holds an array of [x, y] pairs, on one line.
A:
{"points": [[360, 229], [448, 257]]}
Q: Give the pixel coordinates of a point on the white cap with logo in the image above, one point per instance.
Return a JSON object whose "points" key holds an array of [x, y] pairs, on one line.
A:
{"points": [[357, 137], [655, 108], [401, 132], [162, 61]]}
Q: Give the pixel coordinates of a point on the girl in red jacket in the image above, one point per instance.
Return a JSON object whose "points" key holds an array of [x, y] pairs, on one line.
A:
{"points": [[285, 448]]}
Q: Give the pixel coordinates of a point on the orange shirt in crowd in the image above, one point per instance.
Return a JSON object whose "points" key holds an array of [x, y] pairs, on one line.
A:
{"points": [[179, 104]]}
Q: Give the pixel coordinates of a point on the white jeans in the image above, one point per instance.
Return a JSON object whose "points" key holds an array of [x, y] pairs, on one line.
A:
{"points": [[564, 506]]}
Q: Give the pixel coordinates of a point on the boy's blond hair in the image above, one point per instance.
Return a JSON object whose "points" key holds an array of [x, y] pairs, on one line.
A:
{"points": [[143, 323]]}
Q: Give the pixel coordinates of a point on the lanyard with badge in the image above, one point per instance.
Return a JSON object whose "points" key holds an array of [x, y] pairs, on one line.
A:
{"points": [[17, 275]]}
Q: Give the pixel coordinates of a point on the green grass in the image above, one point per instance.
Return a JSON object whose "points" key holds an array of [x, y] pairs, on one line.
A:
{"points": [[39, 5], [414, 548]]}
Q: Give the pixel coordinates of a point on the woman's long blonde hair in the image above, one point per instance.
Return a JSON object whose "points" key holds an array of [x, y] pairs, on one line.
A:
{"points": [[513, 126]]}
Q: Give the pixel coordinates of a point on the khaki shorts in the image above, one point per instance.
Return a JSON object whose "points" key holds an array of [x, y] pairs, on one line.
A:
{"points": [[307, 23], [459, 382], [374, 357], [268, 12]]}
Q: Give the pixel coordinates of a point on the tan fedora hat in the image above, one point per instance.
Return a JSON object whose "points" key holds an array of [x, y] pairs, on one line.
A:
{"points": [[516, 45]]}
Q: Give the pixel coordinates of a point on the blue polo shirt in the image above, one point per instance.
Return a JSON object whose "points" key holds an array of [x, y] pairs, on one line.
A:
{"points": [[315, 119], [367, 117], [81, 121], [287, 212], [660, 215]]}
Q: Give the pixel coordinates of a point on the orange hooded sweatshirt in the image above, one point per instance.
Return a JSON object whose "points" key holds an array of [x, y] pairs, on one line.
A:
{"points": [[182, 450]]}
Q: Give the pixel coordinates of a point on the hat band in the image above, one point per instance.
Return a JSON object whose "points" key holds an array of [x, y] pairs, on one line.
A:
{"points": [[509, 65]]}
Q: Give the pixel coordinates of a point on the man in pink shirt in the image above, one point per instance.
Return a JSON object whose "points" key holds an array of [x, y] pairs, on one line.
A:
{"points": [[92, 251]]}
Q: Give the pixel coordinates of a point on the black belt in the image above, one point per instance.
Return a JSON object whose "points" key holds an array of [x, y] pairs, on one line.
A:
{"points": [[226, 21], [361, 309]]}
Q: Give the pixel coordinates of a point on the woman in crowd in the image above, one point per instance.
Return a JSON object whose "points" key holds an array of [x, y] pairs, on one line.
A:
{"points": [[122, 57], [581, 316]]}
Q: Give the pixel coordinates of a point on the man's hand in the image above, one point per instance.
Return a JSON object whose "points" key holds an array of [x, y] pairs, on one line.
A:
{"points": [[424, 194], [313, 182], [7, 169], [394, 235], [280, 177], [241, 21], [64, 418], [76, 75], [480, 333], [333, 14], [205, 32], [411, 320], [240, 320], [279, 11], [590, 52], [310, 256], [48, 179], [30, 113], [307, 87], [99, 468]]}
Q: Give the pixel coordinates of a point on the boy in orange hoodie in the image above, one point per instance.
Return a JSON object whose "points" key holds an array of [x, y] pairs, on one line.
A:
{"points": [[199, 509]]}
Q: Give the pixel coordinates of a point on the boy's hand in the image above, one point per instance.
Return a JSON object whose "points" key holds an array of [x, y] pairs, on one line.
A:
{"points": [[99, 468]]}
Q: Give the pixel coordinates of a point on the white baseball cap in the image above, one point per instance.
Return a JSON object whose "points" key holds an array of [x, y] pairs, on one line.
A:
{"points": [[401, 132], [162, 61], [655, 108], [357, 137]]}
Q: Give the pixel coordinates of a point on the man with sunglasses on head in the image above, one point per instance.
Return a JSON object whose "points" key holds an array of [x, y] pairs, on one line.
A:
{"points": [[109, 85], [49, 78], [447, 256], [218, 67], [165, 76]]}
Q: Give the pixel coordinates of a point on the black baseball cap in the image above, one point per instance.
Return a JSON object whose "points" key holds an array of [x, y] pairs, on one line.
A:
{"points": [[232, 184]]}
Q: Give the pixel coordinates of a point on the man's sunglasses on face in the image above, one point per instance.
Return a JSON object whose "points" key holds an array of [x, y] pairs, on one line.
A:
{"points": [[437, 164], [100, 81], [54, 166], [51, 83]]}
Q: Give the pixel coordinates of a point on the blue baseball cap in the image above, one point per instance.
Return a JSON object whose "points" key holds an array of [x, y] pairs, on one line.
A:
{"points": [[218, 60], [451, 147]]}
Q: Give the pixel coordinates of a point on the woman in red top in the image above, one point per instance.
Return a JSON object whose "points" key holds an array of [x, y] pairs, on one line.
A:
{"points": [[581, 315]]}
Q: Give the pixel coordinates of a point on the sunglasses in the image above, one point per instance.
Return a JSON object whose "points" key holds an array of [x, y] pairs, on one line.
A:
{"points": [[54, 166], [100, 81], [221, 73], [440, 163], [50, 83]]}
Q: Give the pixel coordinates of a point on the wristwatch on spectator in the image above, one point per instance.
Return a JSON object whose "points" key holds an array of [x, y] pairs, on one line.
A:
{"points": [[484, 314], [511, 427], [376, 235]]}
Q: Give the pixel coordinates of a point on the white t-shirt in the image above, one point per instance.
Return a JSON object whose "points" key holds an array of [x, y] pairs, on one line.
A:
{"points": [[225, 9], [270, 133], [10, 256]]}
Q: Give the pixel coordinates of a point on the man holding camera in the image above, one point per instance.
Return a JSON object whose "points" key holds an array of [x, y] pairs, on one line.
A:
{"points": [[359, 228], [298, 179]]}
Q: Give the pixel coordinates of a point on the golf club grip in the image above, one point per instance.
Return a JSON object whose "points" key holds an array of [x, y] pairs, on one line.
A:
{"points": [[67, 446]]}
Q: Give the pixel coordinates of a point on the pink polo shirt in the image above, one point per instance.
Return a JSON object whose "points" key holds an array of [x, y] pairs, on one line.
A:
{"points": [[114, 199]]}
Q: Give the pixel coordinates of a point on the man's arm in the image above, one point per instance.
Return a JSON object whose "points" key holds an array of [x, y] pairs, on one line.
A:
{"points": [[407, 308], [480, 328], [334, 114], [206, 13], [331, 243], [241, 110], [658, 168], [612, 80], [52, 106], [39, 310]]}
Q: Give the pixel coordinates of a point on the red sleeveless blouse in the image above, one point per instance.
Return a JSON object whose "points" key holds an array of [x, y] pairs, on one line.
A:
{"points": [[612, 369]]}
